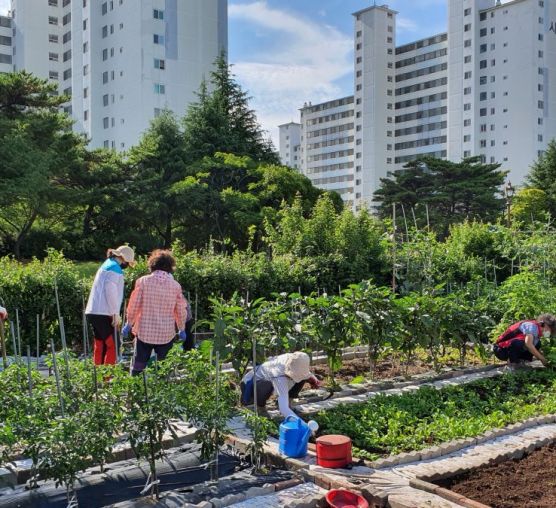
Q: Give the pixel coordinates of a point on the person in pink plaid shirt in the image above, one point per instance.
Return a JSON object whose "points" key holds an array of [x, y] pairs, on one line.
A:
{"points": [[156, 309]]}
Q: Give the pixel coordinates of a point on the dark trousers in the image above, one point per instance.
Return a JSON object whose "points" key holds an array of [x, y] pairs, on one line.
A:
{"points": [[515, 352], [143, 352], [189, 342], [265, 390]]}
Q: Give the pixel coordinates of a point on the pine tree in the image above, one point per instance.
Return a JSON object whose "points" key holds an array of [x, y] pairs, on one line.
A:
{"points": [[543, 176], [221, 120]]}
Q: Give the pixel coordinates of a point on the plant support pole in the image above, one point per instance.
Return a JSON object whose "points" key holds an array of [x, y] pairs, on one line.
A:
{"points": [[29, 378], [217, 358], [57, 376], [14, 345], [3, 345], [38, 341], [255, 376]]}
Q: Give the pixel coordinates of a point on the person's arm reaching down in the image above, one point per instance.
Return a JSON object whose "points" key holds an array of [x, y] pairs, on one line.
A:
{"points": [[282, 390]]}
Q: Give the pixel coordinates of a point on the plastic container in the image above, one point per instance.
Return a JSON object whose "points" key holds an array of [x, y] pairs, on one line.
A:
{"points": [[294, 437], [345, 499], [334, 451]]}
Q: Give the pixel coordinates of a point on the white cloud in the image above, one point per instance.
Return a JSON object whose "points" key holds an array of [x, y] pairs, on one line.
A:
{"points": [[4, 7], [302, 65], [406, 25]]}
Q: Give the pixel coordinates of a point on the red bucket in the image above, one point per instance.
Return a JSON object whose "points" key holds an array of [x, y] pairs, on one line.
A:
{"points": [[345, 499], [334, 451]]}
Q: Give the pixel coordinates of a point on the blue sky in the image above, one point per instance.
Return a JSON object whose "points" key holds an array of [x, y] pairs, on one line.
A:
{"points": [[286, 52]]}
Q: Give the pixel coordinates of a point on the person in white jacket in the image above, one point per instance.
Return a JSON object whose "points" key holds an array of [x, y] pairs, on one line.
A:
{"points": [[284, 375], [105, 301]]}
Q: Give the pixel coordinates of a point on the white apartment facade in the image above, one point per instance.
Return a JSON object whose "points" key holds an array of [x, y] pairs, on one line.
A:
{"points": [[122, 61], [6, 44], [290, 144], [485, 87], [327, 145]]}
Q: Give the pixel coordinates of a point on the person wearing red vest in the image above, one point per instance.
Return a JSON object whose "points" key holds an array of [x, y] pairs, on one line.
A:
{"points": [[522, 341]]}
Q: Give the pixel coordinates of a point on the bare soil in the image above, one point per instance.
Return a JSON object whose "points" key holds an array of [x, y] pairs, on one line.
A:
{"points": [[386, 368], [528, 482]]}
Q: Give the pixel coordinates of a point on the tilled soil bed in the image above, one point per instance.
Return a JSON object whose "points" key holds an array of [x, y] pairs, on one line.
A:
{"points": [[515, 483], [386, 368]]}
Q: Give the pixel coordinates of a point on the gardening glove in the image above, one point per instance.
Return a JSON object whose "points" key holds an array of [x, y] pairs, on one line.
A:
{"points": [[126, 330], [116, 320], [314, 382], [182, 335]]}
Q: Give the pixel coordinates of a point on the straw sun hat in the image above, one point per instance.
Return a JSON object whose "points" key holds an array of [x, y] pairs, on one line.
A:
{"points": [[297, 366], [125, 252]]}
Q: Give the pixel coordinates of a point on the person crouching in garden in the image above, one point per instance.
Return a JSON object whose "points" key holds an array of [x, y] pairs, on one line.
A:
{"points": [[522, 341], [156, 308], [105, 301], [283, 375]]}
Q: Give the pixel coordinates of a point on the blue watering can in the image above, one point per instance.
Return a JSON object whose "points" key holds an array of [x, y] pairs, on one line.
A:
{"points": [[294, 437]]}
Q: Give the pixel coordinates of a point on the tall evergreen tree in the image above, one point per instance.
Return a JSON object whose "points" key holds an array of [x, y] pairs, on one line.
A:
{"points": [[451, 191], [543, 176], [222, 121]]}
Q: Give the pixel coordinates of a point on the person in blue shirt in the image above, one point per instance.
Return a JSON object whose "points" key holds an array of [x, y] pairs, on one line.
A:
{"points": [[522, 341]]}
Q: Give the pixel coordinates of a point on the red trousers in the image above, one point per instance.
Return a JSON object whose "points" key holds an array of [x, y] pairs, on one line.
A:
{"points": [[105, 351]]}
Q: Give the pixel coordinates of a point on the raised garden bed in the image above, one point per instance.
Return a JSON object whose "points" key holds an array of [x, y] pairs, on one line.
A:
{"points": [[515, 483], [391, 424]]}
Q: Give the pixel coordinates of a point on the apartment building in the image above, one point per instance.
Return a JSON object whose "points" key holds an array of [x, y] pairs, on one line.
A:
{"points": [[290, 140], [6, 44], [484, 87], [121, 61]]}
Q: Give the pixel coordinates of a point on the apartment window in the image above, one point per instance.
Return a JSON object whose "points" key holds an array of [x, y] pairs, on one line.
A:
{"points": [[467, 138], [541, 37], [483, 16], [85, 70], [541, 20], [483, 127], [467, 153], [67, 92], [467, 106], [159, 64], [467, 11], [111, 29], [105, 122], [158, 39], [358, 88], [111, 5], [358, 46], [467, 122], [52, 20], [53, 3], [112, 75], [158, 14], [67, 74], [539, 121], [121, 26], [112, 122], [359, 59], [467, 75], [52, 38], [493, 63], [85, 93], [483, 64], [467, 91], [390, 29], [53, 57], [84, 3], [159, 88], [106, 143], [540, 104], [66, 19], [492, 95], [541, 70], [483, 48], [467, 59], [359, 33], [492, 142], [53, 75], [483, 96], [104, 8], [467, 43], [105, 54], [105, 31], [483, 32], [541, 3], [483, 112], [359, 74], [85, 115], [493, 78], [66, 2], [492, 30], [483, 143], [105, 100], [85, 22], [467, 27], [389, 40], [85, 47], [493, 111], [540, 87], [105, 77], [111, 52], [539, 138]]}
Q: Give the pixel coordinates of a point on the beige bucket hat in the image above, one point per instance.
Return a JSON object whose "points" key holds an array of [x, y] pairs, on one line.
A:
{"points": [[297, 366], [125, 252]]}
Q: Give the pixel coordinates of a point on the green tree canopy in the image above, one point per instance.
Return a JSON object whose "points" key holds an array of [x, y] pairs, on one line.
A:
{"points": [[543, 176], [451, 192]]}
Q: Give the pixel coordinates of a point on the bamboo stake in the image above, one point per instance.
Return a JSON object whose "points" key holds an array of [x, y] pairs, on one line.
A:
{"points": [[427, 211], [255, 376], [64, 347], [196, 309], [29, 378], [38, 341], [394, 248], [151, 442], [217, 358], [3, 345], [57, 376], [12, 332], [405, 222], [18, 331]]}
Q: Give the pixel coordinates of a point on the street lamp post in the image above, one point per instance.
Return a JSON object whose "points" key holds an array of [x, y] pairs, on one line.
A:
{"points": [[509, 193]]}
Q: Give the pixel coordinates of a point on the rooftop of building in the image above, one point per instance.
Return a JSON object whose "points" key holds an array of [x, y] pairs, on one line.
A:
{"points": [[289, 123], [383, 7], [498, 5], [311, 108]]}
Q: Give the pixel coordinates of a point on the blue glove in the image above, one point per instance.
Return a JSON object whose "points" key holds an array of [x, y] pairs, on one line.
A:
{"points": [[126, 330], [182, 335]]}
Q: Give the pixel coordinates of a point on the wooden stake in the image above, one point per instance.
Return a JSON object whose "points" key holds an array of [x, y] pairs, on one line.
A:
{"points": [[29, 378], [38, 341], [3, 345], [57, 376], [18, 331]]}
